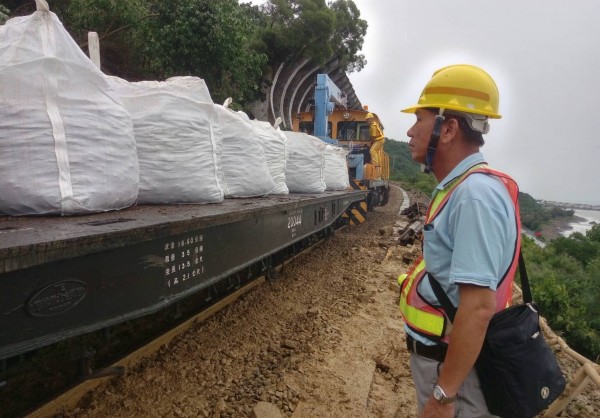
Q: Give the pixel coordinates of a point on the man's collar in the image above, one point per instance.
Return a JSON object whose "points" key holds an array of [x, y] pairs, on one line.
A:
{"points": [[460, 168]]}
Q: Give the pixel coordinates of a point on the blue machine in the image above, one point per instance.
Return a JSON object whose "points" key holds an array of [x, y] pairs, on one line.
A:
{"points": [[356, 161], [327, 95]]}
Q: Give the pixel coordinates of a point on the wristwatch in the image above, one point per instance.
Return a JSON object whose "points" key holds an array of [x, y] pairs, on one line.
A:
{"points": [[440, 396]]}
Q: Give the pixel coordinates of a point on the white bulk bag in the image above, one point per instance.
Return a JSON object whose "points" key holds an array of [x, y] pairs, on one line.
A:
{"points": [[66, 142], [304, 168], [179, 150], [245, 170], [336, 168], [275, 145]]}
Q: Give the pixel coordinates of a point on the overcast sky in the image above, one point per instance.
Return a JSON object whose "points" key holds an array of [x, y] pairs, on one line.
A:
{"points": [[545, 58]]}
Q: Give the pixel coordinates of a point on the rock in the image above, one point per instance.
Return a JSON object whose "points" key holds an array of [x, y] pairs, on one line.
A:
{"points": [[386, 230], [364, 298], [221, 406], [292, 345], [266, 410], [314, 312]]}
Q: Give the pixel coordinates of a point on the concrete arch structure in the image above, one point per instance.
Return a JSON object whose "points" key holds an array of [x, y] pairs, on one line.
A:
{"points": [[293, 88]]}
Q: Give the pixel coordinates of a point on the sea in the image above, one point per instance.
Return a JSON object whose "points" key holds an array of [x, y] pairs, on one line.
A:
{"points": [[589, 217]]}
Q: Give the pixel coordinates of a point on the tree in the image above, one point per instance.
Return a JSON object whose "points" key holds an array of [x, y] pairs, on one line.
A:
{"points": [[592, 295], [348, 35], [295, 29], [533, 215], [118, 24], [577, 246], [593, 234], [205, 38], [566, 289], [557, 212], [4, 14], [407, 171]]}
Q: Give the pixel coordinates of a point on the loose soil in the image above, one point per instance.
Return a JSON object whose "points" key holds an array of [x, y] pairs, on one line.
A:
{"points": [[324, 339]]}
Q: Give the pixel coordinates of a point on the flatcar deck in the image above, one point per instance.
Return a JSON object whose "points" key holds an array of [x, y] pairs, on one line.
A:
{"points": [[65, 276]]}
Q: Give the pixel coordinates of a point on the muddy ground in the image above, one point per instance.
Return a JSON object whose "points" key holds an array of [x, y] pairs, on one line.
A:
{"points": [[324, 339]]}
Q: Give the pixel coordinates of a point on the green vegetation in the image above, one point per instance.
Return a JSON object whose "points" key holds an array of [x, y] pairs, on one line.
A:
{"points": [[534, 215], [209, 37], [296, 29], [4, 12], [234, 47], [565, 280], [405, 171]]}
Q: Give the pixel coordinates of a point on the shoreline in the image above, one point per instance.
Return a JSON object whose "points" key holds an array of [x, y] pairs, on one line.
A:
{"points": [[556, 227]]}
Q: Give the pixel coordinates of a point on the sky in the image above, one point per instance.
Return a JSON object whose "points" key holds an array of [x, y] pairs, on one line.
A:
{"points": [[545, 58]]}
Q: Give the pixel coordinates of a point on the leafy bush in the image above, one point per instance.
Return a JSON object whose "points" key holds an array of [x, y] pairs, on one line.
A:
{"points": [[404, 170], [565, 281], [4, 14]]}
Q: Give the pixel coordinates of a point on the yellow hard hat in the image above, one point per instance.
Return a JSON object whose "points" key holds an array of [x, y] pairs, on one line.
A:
{"points": [[463, 88], [369, 115]]}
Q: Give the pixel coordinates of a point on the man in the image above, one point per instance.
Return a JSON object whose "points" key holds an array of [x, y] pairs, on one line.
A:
{"points": [[377, 140], [471, 242]]}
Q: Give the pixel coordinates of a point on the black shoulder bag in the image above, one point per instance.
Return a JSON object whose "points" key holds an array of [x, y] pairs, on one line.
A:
{"points": [[518, 372]]}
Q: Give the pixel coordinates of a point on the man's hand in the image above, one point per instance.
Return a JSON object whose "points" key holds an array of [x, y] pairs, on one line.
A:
{"points": [[434, 409]]}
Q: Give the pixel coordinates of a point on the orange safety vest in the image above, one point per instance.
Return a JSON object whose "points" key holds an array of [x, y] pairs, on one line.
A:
{"points": [[431, 321]]}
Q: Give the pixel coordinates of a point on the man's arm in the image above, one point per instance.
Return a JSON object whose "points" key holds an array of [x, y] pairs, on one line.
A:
{"points": [[476, 308]]}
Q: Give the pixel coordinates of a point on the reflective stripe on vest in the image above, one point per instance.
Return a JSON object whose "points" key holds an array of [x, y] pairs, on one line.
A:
{"points": [[425, 320], [420, 315]]}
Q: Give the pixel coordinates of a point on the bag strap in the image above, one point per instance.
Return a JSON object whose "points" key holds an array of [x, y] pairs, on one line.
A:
{"points": [[442, 297], [450, 309], [527, 296]]}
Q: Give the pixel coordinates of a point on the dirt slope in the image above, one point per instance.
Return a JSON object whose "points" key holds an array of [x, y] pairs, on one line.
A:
{"points": [[323, 340]]}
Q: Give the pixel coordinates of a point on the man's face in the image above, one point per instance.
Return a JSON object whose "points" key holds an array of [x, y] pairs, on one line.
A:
{"points": [[420, 133]]}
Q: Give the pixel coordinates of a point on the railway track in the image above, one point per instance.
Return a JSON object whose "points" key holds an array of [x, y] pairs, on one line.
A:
{"points": [[71, 397], [322, 340], [88, 372]]}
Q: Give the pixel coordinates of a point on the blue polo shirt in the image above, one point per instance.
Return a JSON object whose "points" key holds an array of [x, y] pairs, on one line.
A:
{"points": [[472, 240]]}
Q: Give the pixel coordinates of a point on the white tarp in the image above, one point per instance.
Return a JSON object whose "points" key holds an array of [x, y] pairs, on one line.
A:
{"points": [[275, 145], [179, 147], [245, 170], [304, 168], [336, 168], [66, 142]]}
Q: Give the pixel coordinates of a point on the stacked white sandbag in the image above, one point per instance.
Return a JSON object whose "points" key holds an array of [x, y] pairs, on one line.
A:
{"points": [[275, 145], [306, 160], [66, 142], [179, 147], [336, 168], [245, 169]]}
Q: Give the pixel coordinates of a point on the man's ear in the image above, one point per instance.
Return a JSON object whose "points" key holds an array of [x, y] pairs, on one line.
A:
{"points": [[450, 130]]}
